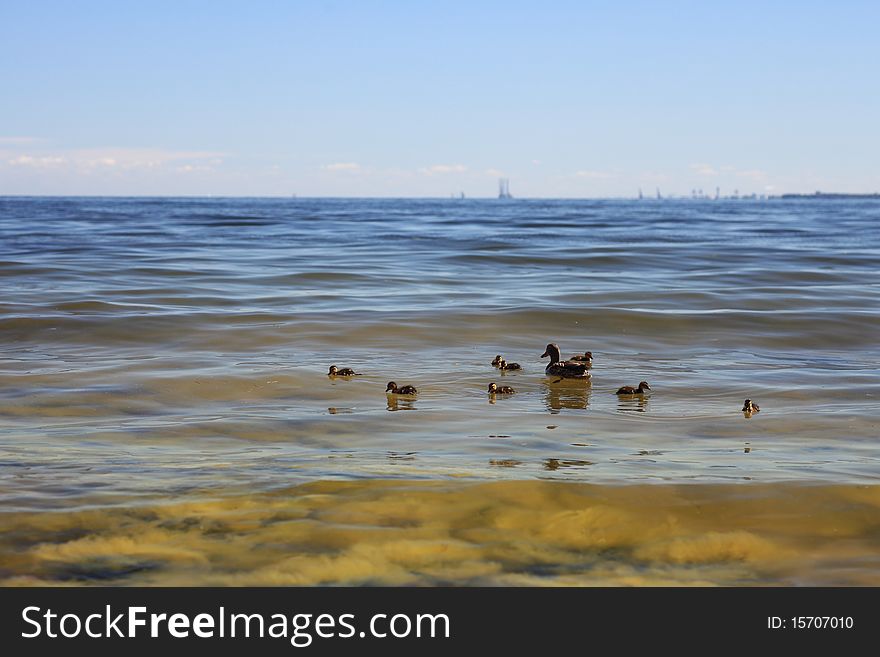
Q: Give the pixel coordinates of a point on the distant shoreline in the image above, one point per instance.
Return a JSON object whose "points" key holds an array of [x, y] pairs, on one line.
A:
{"points": [[820, 195]]}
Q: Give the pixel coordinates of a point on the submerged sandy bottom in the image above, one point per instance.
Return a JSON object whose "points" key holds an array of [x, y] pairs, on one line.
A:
{"points": [[393, 532]]}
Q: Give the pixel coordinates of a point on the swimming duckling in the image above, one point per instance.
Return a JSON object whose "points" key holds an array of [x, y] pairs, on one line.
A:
{"points": [[341, 371], [586, 357], [504, 365], [499, 358], [750, 407], [494, 388], [629, 390], [567, 369], [403, 390]]}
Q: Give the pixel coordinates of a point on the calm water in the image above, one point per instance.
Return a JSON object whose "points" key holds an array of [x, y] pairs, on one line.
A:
{"points": [[158, 349]]}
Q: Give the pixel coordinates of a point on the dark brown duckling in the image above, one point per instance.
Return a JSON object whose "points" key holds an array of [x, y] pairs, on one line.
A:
{"points": [[750, 407], [341, 371], [504, 365], [586, 357], [629, 390], [566, 369], [403, 390], [494, 389], [498, 359]]}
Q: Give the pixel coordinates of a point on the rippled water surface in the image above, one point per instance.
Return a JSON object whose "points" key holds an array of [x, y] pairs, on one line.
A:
{"points": [[159, 348]]}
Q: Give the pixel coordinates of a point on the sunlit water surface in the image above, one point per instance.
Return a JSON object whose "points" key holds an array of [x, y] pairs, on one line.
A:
{"points": [[160, 353]]}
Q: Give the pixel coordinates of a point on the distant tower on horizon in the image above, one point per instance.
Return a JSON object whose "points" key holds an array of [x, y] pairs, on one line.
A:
{"points": [[717, 193], [658, 193], [504, 188], [640, 194]]}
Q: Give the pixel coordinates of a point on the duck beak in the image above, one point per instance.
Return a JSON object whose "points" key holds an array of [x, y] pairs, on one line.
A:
{"points": [[544, 355]]}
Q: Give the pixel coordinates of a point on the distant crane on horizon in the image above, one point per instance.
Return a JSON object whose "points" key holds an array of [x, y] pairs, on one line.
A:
{"points": [[504, 188]]}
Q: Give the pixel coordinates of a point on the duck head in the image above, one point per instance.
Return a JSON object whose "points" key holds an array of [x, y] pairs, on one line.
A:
{"points": [[552, 351], [497, 360], [493, 387], [589, 355], [391, 387], [747, 405], [644, 385], [333, 370]]}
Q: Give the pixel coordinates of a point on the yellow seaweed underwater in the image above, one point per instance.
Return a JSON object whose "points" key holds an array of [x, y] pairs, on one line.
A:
{"points": [[507, 533]]}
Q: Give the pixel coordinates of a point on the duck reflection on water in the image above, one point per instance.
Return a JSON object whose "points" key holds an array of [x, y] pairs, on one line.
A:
{"points": [[398, 457], [335, 410], [632, 404], [567, 393], [556, 464], [396, 403]]}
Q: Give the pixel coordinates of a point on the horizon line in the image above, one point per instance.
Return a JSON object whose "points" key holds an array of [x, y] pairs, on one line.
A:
{"points": [[293, 197]]}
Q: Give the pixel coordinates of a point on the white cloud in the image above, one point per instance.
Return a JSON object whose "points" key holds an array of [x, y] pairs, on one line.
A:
{"points": [[112, 158], [443, 168], [194, 168], [98, 162], [704, 169], [89, 160], [341, 166], [594, 175], [654, 177], [15, 141], [30, 161], [752, 174]]}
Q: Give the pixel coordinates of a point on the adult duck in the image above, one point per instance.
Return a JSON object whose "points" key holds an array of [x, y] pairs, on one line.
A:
{"points": [[567, 369]]}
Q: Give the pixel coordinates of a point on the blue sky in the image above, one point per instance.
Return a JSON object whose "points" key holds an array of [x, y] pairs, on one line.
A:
{"points": [[372, 98]]}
